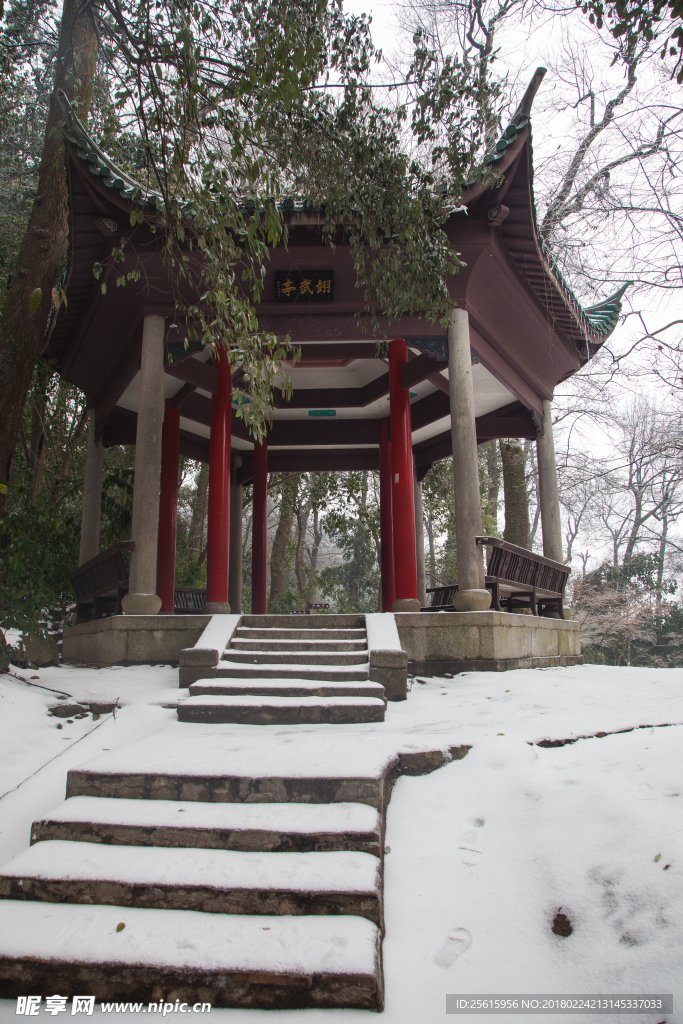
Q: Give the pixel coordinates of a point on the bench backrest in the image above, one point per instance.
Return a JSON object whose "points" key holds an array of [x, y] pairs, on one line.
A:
{"points": [[518, 565], [441, 595], [102, 574], [190, 597]]}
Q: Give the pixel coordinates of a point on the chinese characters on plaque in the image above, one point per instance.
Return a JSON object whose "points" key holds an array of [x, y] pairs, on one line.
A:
{"points": [[304, 285]]}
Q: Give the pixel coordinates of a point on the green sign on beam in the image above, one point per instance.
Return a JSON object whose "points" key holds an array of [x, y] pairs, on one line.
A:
{"points": [[322, 412]]}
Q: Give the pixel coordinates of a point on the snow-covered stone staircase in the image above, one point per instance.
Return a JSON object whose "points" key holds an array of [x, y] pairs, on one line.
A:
{"points": [[282, 669], [204, 864], [237, 890]]}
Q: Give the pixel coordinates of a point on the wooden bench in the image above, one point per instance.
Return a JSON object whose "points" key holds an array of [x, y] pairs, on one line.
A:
{"points": [[101, 583], [517, 578], [442, 598], [522, 579], [189, 601], [315, 608]]}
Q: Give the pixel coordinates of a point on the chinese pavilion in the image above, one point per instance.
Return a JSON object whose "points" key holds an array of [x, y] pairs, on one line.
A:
{"points": [[515, 333]]}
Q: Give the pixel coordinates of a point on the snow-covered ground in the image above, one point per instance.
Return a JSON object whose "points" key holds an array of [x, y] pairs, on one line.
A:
{"points": [[483, 853]]}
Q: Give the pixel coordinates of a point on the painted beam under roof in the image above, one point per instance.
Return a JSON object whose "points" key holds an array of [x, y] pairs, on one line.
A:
{"points": [[318, 351], [513, 421], [202, 375], [490, 427], [313, 461], [416, 370]]}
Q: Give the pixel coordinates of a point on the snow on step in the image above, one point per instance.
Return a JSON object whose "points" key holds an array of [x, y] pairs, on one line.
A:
{"points": [[287, 687], [279, 657], [248, 961], [239, 669], [252, 709], [346, 871], [214, 881], [298, 643], [242, 826], [341, 817], [207, 751], [319, 633]]}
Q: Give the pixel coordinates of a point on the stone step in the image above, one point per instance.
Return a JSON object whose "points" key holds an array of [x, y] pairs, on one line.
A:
{"points": [[252, 962], [231, 669], [273, 633], [298, 644], [304, 621], [224, 763], [285, 688], [257, 710], [212, 881], [276, 827], [278, 656]]}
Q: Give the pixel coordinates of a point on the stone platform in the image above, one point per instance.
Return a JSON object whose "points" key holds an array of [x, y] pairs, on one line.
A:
{"points": [[489, 641], [132, 639], [435, 642]]}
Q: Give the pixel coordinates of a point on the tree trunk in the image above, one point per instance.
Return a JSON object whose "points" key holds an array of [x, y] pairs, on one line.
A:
{"points": [[317, 538], [661, 554], [356, 588], [432, 552], [516, 498], [70, 446], [278, 555], [37, 440], [533, 487], [636, 524], [493, 490], [199, 510], [303, 584], [247, 534], [22, 333], [313, 556]]}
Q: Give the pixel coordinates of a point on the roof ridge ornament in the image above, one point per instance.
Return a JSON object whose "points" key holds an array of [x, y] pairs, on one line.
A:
{"points": [[111, 172], [611, 301], [524, 108], [604, 316], [520, 119]]}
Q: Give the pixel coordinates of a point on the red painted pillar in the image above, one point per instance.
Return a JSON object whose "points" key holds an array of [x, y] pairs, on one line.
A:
{"points": [[168, 508], [218, 526], [405, 563], [259, 532], [386, 519]]}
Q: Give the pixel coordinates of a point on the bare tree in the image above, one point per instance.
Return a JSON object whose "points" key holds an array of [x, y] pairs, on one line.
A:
{"points": [[626, 501], [611, 194]]}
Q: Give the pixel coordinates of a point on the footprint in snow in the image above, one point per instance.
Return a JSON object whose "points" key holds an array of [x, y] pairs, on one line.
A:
{"points": [[458, 941], [471, 842]]}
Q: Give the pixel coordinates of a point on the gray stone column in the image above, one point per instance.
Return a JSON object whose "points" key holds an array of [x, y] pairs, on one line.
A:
{"points": [[92, 496], [472, 594], [235, 563], [549, 498], [141, 598], [420, 543]]}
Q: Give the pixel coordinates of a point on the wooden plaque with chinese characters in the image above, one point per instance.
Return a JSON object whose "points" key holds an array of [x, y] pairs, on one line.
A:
{"points": [[304, 286]]}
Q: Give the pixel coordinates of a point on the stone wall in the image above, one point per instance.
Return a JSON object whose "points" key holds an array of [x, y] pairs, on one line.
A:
{"points": [[132, 639], [434, 641], [486, 641]]}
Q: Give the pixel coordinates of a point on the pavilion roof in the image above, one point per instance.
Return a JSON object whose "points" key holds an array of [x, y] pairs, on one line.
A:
{"points": [[510, 161]]}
